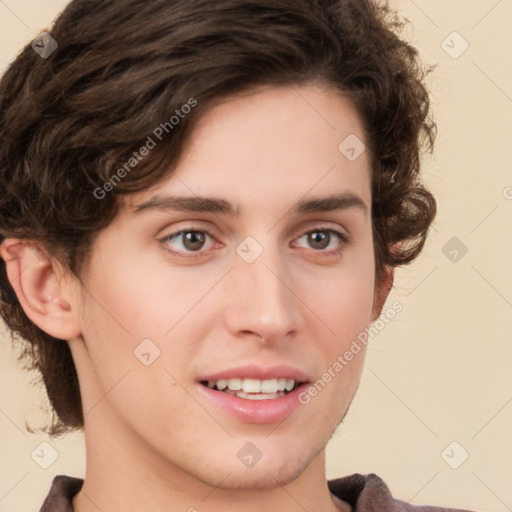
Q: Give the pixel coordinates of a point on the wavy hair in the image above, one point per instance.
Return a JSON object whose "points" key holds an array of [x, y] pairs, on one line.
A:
{"points": [[68, 122]]}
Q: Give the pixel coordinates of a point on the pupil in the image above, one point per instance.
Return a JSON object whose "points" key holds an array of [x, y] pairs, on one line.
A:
{"points": [[195, 238], [321, 236]]}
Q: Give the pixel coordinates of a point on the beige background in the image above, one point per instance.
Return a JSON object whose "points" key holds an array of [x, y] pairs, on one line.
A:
{"points": [[440, 371]]}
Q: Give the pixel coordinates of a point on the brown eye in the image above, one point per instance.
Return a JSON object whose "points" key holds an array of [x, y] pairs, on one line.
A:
{"points": [[193, 240], [185, 242], [319, 239]]}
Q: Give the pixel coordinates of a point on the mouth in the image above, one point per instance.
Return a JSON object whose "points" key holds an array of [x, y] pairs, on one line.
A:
{"points": [[254, 389], [255, 394]]}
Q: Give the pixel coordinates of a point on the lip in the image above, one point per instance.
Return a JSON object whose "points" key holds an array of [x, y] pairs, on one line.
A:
{"points": [[252, 371], [273, 410], [256, 411]]}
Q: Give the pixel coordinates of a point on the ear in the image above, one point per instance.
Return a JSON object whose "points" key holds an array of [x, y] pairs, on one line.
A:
{"points": [[44, 288], [382, 290]]}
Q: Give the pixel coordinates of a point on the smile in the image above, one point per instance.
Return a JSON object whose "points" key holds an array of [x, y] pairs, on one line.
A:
{"points": [[254, 389], [255, 394]]}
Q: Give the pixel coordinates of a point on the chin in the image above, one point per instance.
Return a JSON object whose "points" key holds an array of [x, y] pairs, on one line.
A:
{"points": [[270, 472], [262, 479]]}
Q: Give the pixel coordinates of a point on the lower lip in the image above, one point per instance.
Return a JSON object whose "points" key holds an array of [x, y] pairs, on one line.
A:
{"points": [[272, 410]]}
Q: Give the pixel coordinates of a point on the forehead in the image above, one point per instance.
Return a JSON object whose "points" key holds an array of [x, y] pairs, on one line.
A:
{"points": [[270, 144], [280, 117]]}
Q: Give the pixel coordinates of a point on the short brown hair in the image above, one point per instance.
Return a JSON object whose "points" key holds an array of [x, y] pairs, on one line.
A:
{"points": [[68, 122]]}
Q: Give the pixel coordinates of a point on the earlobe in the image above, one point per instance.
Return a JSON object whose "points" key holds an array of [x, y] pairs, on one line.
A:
{"points": [[41, 289], [382, 292]]}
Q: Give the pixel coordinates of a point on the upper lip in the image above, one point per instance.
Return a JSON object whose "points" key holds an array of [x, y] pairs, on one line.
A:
{"points": [[252, 371]]}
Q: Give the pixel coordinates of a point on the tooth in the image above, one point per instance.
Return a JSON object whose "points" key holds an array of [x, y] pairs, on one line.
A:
{"points": [[222, 384], [251, 386], [235, 384], [269, 386]]}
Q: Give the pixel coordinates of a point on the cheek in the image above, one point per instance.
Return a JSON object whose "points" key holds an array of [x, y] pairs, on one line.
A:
{"points": [[347, 313], [344, 302], [124, 308], [134, 299]]}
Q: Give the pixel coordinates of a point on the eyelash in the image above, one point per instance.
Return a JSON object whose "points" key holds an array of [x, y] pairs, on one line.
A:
{"points": [[345, 240]]}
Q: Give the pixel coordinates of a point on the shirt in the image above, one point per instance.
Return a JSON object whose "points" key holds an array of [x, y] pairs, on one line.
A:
{"points": [[364, 493]]}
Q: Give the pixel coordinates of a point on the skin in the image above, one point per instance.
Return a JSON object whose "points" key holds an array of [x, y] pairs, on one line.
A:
{"points": [[152, 438]]}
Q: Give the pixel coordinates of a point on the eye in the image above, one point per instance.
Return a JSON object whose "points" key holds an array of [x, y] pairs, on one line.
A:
{"points": [[320, 239], [186, 241]]}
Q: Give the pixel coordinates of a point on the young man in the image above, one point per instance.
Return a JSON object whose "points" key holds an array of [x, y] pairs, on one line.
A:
{"points": [[204, 203]]}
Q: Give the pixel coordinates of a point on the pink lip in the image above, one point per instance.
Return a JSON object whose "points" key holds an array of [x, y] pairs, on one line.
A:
{"points": [[256, 411], [253, 371]]}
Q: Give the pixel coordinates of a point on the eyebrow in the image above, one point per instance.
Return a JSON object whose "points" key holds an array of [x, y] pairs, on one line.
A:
{"points": [[217, 205]]}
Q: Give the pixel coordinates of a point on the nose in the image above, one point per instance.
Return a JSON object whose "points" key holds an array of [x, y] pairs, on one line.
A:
{"points": [[261, 301]]}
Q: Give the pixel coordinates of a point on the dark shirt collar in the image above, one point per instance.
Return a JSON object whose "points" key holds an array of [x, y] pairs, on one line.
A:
{"points": [[364, 493]]}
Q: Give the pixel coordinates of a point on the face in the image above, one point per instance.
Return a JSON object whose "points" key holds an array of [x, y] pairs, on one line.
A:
{"points": [[261, 299]]}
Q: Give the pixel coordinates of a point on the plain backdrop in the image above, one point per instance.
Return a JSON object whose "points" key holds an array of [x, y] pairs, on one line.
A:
{"points": [[433, 414]]}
